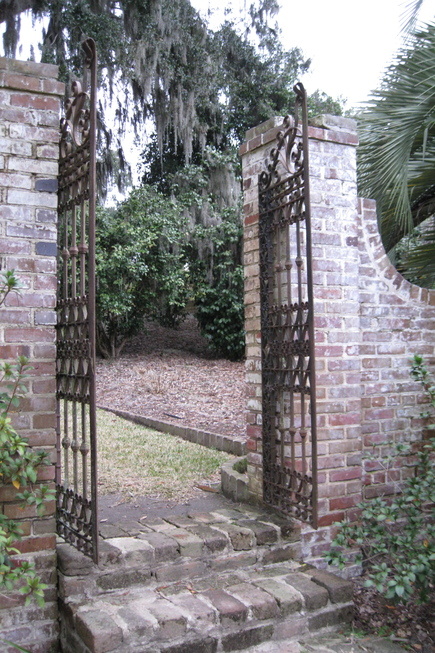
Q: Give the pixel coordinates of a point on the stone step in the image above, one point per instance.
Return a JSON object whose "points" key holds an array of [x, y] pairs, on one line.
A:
{"points": [[178, 547], [230, 611]]}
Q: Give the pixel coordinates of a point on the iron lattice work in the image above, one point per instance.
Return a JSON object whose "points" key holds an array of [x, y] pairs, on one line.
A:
{"points": [[288, 379], [76, 463]]}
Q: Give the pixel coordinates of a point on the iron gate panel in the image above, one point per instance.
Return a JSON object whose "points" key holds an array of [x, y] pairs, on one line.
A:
{"points": [[76, 463], [287, 330]]}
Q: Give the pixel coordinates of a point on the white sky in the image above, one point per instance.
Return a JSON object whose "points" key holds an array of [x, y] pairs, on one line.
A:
{"points": [[350, 42]]}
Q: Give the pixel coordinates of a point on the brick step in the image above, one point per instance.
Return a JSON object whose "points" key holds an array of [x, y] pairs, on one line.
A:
{"points": [[156, 551], [230, 611], [225, 580]]}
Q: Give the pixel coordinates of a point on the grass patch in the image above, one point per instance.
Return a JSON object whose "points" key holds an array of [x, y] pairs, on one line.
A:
{"points": [[137, 461]]}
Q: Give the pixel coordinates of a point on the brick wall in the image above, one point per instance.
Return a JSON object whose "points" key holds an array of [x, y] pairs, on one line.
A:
{"points": [[29, 126], [369, 322]]}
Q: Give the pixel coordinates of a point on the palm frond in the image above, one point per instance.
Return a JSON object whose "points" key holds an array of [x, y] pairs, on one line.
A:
{"points": [[418, 263], [397, 135], [409, 16]]}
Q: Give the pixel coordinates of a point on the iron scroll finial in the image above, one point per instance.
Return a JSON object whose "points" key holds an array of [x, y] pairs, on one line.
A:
{"points": [[300, 92], [286, 155], [76, 123], [90, 50]]}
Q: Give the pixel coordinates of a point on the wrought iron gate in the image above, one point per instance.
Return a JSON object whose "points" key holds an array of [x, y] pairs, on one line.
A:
{"points": [[76, 464], [288, 381]]}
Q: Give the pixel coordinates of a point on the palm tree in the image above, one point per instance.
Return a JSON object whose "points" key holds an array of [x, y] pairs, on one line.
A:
{"points": [[397, 152]]}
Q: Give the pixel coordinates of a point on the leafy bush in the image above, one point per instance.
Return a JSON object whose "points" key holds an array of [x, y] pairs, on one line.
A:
{"points": [[167, 244], [19, 466], [396, 537], [217, 278], [140, 267], [241, 466]]}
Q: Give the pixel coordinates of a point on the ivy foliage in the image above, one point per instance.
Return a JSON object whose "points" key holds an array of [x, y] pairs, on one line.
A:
{"points": [[210, 193], [396, 536], [217, 281]]}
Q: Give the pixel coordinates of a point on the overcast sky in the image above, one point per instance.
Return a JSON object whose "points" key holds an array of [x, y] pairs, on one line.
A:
{"points": [[350, 42]]}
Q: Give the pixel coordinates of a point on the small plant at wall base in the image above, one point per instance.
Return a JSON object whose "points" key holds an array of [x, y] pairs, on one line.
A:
{"points": [[19, 466], [396, 536]]}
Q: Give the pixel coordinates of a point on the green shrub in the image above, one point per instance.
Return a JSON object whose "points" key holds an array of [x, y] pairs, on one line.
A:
{"points": [[241, 466], [217, 277], [19, 466], [396, 536], [140, 267]]}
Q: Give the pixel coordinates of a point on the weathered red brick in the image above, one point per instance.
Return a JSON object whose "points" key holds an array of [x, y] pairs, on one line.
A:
{"points": [[11, 352], [328, 520], [34, 101], [31, 334], [345, 475], [17, 511], [342, 503], [24, 82], [44, 421], [39, 543]]}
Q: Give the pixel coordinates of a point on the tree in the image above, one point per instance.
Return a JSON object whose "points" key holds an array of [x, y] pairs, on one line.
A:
{"points": [[397, 154], [159, 61], [215, 263], [201, 90]]}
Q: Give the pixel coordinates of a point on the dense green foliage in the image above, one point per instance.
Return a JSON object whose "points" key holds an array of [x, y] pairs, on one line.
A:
{"points": [[140, 267], [210, 194], [396, 535], [156, 253], [217, 280], [198, 90], [18, 466]]}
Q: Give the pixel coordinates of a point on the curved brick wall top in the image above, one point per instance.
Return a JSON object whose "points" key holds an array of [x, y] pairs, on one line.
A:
{"points": [[379, 260], [397, 320]]}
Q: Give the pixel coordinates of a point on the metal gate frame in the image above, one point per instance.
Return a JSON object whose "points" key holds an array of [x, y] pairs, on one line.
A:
{"points": [[76, 447], [287, 323]]}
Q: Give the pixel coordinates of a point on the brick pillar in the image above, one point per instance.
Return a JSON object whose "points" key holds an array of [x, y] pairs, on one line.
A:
{"points": [[30, 98], [369, 321], [336, 293]]}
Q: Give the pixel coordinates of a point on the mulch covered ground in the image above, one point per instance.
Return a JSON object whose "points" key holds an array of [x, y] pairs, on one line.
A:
{"points": [[411, 625], [169, 375]]}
